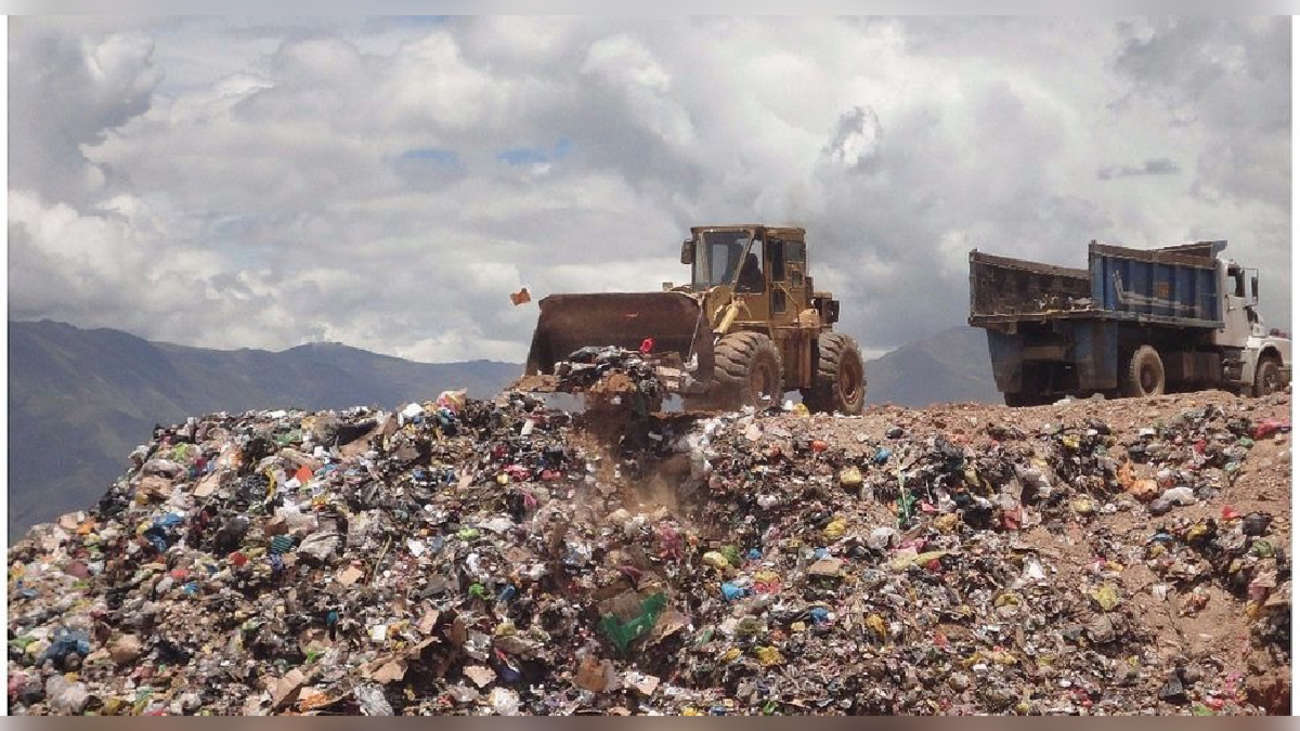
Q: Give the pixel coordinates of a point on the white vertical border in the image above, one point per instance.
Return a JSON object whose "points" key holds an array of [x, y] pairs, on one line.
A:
{"points": [[4, 333]]}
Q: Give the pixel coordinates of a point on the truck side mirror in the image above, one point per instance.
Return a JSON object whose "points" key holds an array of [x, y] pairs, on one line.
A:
{"points": [[688, 251], [1254, 287]]}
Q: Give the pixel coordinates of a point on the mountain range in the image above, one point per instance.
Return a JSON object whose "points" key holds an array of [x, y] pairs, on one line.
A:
{"points": [[80, 400]]}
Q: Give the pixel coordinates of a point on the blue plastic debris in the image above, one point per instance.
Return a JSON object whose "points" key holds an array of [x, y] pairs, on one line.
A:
{"points": [[882, 455], [731, 592], [281, 544], [156, 539], [167, 521], [66, 642]]}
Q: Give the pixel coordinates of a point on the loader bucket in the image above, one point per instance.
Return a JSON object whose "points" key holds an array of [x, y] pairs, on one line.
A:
{"points": [[567, 322]]}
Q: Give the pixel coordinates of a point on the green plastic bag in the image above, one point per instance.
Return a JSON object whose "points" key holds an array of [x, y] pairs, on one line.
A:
{"points": [[623, 634], [905, 502]]}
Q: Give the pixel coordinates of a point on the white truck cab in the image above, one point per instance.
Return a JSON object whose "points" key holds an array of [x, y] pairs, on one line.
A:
{"points": [[1265, 364]]}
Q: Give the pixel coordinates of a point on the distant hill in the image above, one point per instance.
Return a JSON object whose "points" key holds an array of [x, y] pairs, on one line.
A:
{"points": [[950, 366], [81, 400]]}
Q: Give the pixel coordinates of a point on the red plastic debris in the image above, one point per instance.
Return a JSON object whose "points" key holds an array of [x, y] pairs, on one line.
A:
{"points": [[1228, 513], [647, 346], [1268, 427]]}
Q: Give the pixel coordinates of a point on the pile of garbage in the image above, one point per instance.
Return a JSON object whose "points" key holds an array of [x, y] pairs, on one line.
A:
{"points": [[469, 557], [614, 372], [1059, 302]]}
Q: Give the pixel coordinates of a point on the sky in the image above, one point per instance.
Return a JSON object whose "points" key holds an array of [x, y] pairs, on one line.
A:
{"points": [[387, 182]]}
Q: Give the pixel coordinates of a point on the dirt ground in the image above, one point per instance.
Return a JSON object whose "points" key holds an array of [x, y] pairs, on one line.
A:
{"points": [[1217, 633]]}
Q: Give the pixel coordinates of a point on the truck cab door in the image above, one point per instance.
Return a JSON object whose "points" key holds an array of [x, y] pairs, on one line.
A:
{"points": [[1233, 300]]}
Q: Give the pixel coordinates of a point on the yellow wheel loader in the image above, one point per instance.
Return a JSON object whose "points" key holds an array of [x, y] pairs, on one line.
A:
{"points": [[747, 328]]}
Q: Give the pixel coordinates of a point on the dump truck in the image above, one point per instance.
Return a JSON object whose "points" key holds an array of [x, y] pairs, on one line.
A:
{"points": [[748, 327], [1134, 323]]}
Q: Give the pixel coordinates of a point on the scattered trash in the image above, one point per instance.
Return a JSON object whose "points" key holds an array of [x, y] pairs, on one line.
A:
{"points": [[471, 557]]}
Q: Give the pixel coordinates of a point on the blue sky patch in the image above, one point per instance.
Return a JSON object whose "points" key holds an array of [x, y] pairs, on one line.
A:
{"points": [[533, 155]]}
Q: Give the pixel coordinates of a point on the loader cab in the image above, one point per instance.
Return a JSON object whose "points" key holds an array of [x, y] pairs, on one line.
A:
{"points": [[767, 267], [724, 256]]}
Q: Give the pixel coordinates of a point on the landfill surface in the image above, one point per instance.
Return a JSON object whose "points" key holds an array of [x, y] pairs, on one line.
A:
{"points": [[470, 557]]}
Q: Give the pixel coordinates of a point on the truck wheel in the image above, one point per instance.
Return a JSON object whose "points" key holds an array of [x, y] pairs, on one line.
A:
{"points": [[1268, 376], [746, 366], [839, 383], [1017, 398], [1146, 373]]}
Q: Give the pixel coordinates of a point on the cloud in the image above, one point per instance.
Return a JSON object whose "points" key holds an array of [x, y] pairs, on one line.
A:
{"points": [[1153, 166], [854, 144], [386, 183], [70, 89]]}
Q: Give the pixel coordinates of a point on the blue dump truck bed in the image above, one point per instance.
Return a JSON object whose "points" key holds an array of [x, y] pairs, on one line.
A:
{"points": [[1054, 330], [1174, 286]]}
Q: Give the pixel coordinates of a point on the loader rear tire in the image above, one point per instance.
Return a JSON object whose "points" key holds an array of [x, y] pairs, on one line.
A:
{"points": [[1146, 373], [839, 383], [746, 367]]}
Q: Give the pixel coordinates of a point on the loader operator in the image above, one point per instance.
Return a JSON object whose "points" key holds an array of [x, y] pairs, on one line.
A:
{"points": [[751, 277]]}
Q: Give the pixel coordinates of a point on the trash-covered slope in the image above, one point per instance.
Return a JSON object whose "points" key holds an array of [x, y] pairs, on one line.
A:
{"points": [[476, 558], [103, 390]]}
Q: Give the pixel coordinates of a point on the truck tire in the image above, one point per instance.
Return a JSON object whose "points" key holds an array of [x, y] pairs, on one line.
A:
{"points": [[1146, 373], [839, 383], [1018, 398], [746, 365], [1268, 376]]}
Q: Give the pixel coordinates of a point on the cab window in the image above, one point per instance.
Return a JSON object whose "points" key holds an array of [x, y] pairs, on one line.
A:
{"points": [[794, 252], [776, 259]]}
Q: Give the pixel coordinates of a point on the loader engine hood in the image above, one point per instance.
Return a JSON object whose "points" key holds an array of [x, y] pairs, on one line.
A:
{"points": [[676, 321]]}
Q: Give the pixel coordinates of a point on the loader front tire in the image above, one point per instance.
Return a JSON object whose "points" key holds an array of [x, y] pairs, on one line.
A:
{"points": [[839, 383], [746, 367]]}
